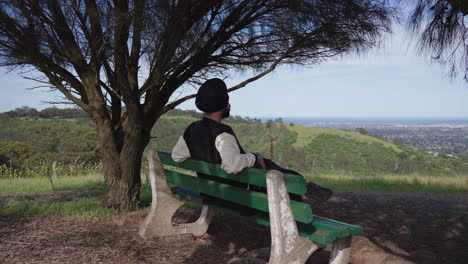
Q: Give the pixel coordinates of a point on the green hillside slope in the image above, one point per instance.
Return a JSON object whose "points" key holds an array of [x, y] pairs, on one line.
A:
{"points": [[309, 150], [312, 150], [353, 153], [307, 133]]}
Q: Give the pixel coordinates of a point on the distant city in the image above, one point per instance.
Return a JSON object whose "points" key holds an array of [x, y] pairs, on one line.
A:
{"points": [[437, 135], [376, 120]]}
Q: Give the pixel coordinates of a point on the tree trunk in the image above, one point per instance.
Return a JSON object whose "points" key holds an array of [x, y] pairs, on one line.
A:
{"points": [[123, 190], [121, 158]]}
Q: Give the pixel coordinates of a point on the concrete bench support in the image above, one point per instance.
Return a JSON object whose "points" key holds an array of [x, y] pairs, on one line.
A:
{"points": [[288, 247], [165, 204], [341, 250]]}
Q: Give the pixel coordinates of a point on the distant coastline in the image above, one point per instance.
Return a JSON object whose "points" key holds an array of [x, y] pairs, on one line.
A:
{"points": [[419, 121]]}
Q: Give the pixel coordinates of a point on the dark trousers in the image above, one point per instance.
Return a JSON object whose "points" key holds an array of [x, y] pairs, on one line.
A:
{"points": [[270, 165]]}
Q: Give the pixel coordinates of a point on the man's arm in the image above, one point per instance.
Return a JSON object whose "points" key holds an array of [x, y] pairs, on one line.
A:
{"points": [[232, 160], [180, 152]]}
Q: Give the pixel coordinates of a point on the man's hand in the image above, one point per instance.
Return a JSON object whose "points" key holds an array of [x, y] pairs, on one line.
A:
{"points": [[261, 162]]}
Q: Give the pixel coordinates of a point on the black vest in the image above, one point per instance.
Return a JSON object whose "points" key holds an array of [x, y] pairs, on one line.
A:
{"points": [[200, 137]]}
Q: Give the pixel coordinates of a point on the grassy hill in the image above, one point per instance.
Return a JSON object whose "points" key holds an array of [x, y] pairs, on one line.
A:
{"points": [[305, 134], [320, 151], [27, 142]]}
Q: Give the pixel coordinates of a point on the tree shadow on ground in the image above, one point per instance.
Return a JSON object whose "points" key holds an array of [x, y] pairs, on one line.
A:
{"points": [[418, 228], [421, 228], [231, 237], [9, 222]]}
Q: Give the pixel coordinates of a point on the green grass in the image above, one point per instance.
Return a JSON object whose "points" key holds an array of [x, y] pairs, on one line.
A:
{"points": [[305, 134], [30, 185], [83, 201], [84, 204], [393, 183], [88, 209]]}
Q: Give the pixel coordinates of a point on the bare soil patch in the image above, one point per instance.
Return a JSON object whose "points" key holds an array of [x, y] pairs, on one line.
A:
{"points": [[400, 228]]}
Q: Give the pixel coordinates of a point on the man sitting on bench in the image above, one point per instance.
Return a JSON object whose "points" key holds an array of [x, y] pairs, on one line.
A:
{"points": [[211, 141]]}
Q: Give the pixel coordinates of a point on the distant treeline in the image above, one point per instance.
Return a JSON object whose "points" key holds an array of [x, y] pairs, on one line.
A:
{"points": [[54, 112], [232, 119], [50, 112]]}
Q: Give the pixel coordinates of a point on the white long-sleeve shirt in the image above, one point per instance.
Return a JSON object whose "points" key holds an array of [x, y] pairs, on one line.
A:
{"points": [[233, 161]]}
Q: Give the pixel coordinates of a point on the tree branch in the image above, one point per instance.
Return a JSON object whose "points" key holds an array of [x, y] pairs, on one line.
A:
{"points": [[66, 35], [110, 90], [184, 16], [96, 41], [58, 84], [236, 87], [121, 34], [136, 43]]}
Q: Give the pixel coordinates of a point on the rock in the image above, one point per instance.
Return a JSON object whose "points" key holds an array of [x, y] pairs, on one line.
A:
{"points": [[449, 235], [118, 221], [261, 253], [249, 260], [366, 252], [403, 230], [382, 216], [373, 257], [337, 199], [396, 262]]}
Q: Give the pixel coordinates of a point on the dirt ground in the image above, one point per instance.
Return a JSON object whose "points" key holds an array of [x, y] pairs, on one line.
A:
{"points": [[400, 228]]}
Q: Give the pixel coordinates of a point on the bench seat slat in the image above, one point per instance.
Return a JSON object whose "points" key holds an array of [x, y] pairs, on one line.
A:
{"points": [[321, 230], [302, 211], [294, 183]]}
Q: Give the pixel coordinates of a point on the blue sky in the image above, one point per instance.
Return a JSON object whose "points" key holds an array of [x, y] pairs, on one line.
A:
{"points": [[389, 81]]}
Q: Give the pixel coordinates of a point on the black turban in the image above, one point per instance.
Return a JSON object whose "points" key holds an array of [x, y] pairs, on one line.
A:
{"points": [[212, 96]]}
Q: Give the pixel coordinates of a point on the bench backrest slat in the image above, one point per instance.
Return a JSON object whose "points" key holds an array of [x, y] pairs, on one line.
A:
{"points": [[321, 230], [294, 183], [302, 211]]}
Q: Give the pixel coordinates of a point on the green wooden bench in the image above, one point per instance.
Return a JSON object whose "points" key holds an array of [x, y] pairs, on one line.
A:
{"points": [[295, 231]]}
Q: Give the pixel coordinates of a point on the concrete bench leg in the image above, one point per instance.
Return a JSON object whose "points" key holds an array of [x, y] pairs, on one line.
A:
{"points": [[287, 245], [341, 250], [165, 204]]}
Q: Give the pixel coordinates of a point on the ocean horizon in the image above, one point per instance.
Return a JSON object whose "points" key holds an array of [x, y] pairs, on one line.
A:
{"points": [[373, 120]]}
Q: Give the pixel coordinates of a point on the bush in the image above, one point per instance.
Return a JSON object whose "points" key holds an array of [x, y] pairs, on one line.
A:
{"points": [[13, 154]]}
